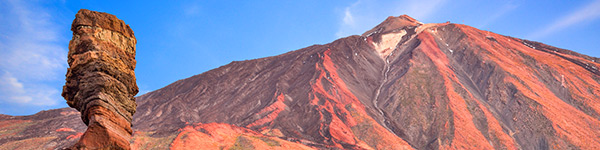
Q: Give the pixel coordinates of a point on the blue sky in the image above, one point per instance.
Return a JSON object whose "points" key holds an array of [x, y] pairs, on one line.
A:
{"points": [[183, 38]]}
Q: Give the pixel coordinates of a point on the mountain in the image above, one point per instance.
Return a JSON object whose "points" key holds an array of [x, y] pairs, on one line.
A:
{"points": [[400, 85]]}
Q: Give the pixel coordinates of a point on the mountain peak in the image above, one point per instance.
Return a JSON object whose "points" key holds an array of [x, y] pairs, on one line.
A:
{"points": [[393, 23], [389, 33], [405, 17]]}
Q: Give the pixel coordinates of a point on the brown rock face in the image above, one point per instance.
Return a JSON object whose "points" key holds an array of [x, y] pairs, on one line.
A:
{"points": [[101, 80]]}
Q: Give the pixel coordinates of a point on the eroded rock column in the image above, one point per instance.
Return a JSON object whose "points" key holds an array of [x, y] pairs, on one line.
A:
{"points": [[101, 80]]}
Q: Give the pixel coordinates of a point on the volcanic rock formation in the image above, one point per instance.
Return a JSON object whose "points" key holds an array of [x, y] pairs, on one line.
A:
{"points": [[101, 80], [402, 85]]}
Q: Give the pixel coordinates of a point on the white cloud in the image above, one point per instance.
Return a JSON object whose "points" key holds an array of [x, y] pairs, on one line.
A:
{"points": [[14, 91], [348, 19], [363, 15], [32, 54], [588, 12], [10, 84], [348, 26]]}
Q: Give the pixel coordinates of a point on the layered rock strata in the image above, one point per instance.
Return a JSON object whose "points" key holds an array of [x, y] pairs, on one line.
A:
{"points": [[101, 81]]}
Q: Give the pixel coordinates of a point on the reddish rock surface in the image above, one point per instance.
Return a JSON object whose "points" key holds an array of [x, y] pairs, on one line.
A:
{"points": [[52, 129], [225, 136], [401, 85], [101, 79]]}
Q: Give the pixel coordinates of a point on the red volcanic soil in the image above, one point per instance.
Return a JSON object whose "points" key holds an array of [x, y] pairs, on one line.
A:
{"points": [[65, 130], [270, 112], [225, 136]]}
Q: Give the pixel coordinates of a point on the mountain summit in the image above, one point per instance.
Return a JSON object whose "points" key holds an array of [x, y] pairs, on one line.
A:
{"points": [[400, 85], [392, 24]]}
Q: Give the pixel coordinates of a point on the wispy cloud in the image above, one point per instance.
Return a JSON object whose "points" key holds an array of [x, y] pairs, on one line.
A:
{"points": [[10, 84], [348, 26], [32, 55], [348, 18], [505, 9], [362, 15], [588, 12], [13, 91]]}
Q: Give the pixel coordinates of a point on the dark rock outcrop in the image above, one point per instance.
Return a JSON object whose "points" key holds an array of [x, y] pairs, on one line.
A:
{"points": [[101, 80]]}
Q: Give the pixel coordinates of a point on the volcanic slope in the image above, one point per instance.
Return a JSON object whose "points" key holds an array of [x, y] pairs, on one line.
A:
{"points": [[400, 85]]}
